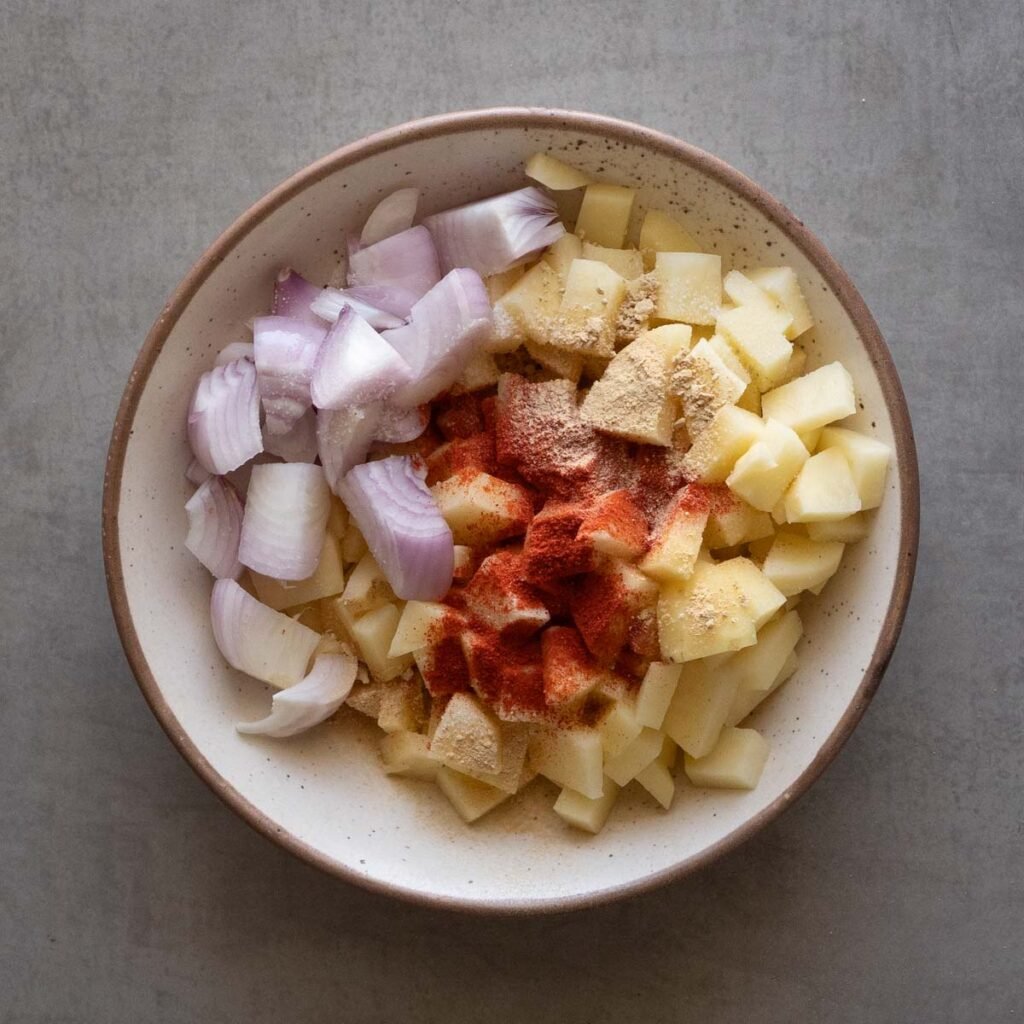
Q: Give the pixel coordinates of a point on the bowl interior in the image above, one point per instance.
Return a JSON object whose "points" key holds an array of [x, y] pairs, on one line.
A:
{"points": [[324, 795]]}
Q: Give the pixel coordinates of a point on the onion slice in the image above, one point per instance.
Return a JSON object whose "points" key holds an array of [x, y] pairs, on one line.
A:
{"points": [[224, 417], [331, 301], [406, 261], [492, 235], [234, 350], [390, 216], [256, 639], [355, 365], [196, 473], [286, 510], [397, 425], [215, 526], [286, 349], [447, 327], [299, 444], [310, 702], [343, 438], [293, 297], [403, 527]]}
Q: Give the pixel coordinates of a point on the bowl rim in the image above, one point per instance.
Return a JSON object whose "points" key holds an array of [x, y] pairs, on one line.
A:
{"points": [[471, 121]]}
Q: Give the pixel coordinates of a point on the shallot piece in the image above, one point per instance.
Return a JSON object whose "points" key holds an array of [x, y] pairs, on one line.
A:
{"points": [[224, 418], [343, 438], [406, 261], [310, 702], [390, 216], [286, 349], [403, 527], [370, 303], [293, 297], [299, 444], [397, 425], [215, 527], [234, 350]]}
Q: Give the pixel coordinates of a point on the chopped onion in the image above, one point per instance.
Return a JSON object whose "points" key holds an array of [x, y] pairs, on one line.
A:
{"points": [[390, 216], [256, 639], [309, 702], [215, 526], [234, 350], [285, 520], [407, 261], [293, 296], [397, 425], [331, 301], [224, 417], [402, 525], [492, 235], [355, 365], [196, 474], [286, 349], [343, 438], [299, 444], [447, 327]]}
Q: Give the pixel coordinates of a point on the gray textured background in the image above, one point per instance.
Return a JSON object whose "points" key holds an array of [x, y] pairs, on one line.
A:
{"points": [[132, 133]]}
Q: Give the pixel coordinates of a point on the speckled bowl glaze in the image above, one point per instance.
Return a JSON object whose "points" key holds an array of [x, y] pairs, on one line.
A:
{"points": [[324, 796]]}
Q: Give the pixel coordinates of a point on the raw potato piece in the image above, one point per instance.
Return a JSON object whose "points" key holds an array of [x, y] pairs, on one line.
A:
{"points": [[373, 633], [553, 174], [674, 549], [796, 563], [662, 233], [499, 284], [633, 759], [526, 308], [736, 762], [762, 474], [868, 459], [604, 215], [744, 292], [414, 627], [565, 364], [514, 773], [757, 336], [658, 781], [704, 383], [656, 693], [627, 263], [482, 509], [748, 700], [401, 706], [824, 489], [327, 580], [480, 372], [470, 797], [561, 254], [699, 708], [782, 285], [740, 523], [353, 545], [848, 530], [408, 754], [715, 450], [583, 812], [689, 286], [589, 309], [468, 736], [812, 401], [367, 589], [570, 758], [618, 728]]}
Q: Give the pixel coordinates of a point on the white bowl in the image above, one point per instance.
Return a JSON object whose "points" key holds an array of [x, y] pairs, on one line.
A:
{"points": [[324, 796]]}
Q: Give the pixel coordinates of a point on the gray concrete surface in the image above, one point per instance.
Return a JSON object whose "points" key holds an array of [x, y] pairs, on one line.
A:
{"points": [[131, 133]]}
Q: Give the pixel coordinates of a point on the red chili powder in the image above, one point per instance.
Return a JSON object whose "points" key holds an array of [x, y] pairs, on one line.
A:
{"points": [[551, 550], [475, 452], [460, 417]]}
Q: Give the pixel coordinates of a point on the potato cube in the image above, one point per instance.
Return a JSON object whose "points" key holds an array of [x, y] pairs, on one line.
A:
{"points": [[736, 762], [561, 254], [327, 580], [592, 297], [615, 526], [811, 438], [760, 598], [656, 693], [634, 758], [848, 530], [823, 489], [689, 286], [527, 308], [868, 459], [585, 813], [763, 473], [747, 699], [662, 233], [814, 400], [468, 736], [337, 520], [604, 215], [373, 633], [756, 667], [565, 364], [797, 365], [797, 563], [674, 549], [482, 509], [607, 602], [554, 174], [618, 727], [367, 588], [728, 356], [471, 798], [570, 672], [716, 448], [366, 698], [744, 292], [704, 384], [353, 544], [757, 336], [739, 523], [782, 285], [480, 372], [569, 757], [513, 773], [401, 706], [418, 620], [408, 754], [627, 263], [658, 781], [499, 284], [699, 708]]}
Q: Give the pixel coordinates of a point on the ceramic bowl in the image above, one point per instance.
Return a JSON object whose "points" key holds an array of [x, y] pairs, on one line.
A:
{"points": [[323, 796]]}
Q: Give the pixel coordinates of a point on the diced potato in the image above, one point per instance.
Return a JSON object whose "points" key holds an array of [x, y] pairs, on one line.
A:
{"points": [[464, 562], [716, 448], [823, 489], [848, 530], [663, 233], [604, 215], [480, 372], [764, 472], [810, 438], [593, 294], [627, 263], [736, 762], [797, 365], [760, 598], [658, 781], [585, 813], [756, 667], [757, 336], [337, 520], [561, 254], [814, 400], [417, 621], [408, 754], [782, 285], [513, 773], [740, 523], [699, 708], [725, 352], [618, 727], [554, 174], [499, 284], [566, 364], [632, 400], [747, 700], [797, 563], [482, 509], [311, 616], [353, 545], [759, 548], [373, 633], [868, 459], [673, 339], [570, 672], [367, 589], [615, 525], [689, 286], [401, 706], [569, 757], [744, 292], [656, 693], [674, 549], [633, 759], [669, 752], [471, 798], [327, 580], [468, 736], [526, 308], [704, 384]]}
